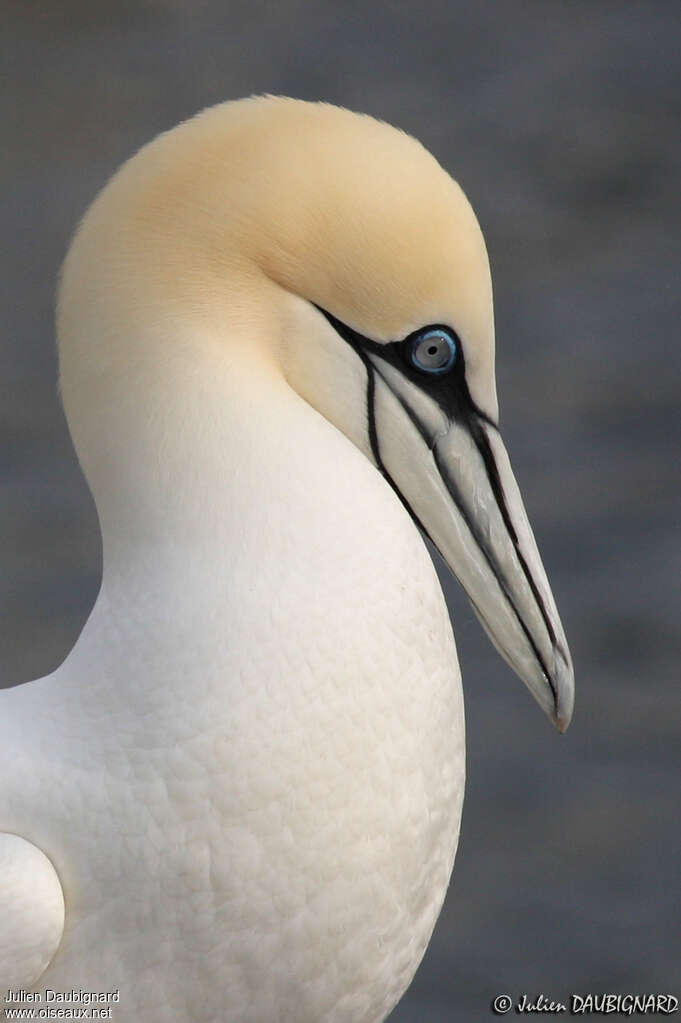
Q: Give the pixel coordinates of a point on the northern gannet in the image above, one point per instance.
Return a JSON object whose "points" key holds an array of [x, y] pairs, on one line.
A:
{"points": [[239, 796]]}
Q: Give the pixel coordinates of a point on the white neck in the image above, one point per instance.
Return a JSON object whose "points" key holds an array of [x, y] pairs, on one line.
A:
{"points": [[218, 485], [193, 467]]}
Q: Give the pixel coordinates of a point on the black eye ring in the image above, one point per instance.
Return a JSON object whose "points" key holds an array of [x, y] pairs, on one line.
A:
{"points": [[432, 350]]}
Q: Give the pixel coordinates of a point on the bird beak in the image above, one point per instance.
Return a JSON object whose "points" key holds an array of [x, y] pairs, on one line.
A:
{"points": [[455, 478]]}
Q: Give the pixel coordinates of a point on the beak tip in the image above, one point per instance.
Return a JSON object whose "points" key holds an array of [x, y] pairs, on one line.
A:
{"points": [[564, 691]]}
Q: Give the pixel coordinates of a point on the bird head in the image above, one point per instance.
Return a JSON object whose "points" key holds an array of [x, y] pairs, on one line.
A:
{"points": [[335, 250]]}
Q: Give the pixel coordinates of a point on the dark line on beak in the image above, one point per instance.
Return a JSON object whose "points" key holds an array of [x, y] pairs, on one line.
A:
{"points": [[483, 445], [455, 495]]}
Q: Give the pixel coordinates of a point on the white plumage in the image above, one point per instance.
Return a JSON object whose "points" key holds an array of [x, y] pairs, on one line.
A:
{"points": [[248, 774]]}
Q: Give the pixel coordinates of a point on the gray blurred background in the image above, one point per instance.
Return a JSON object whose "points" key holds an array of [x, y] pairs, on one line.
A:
{"points": [[561, 121]]}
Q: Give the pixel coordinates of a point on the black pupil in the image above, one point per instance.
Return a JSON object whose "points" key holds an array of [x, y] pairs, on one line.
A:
{"points": [[432, 350]]}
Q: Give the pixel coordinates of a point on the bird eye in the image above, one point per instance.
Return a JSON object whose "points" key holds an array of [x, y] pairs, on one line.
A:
{"points": [[432, 351]]}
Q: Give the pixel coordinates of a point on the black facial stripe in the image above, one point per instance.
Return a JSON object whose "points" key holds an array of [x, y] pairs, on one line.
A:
{"points": [[407, 507], [427, 439], [451, 393], [373, 441], [371, 411]]}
